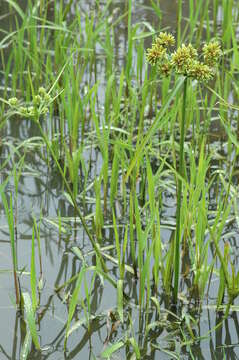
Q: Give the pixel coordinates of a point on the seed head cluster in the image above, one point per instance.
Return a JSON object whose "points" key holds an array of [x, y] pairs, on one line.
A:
{"points": [[165, 40], [183, 57], [39, 105], [200, 71], [155, 54], [211, 53], [184, 60]]}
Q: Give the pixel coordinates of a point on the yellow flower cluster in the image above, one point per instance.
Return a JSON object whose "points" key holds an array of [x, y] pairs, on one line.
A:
{"points": [[157, 54], [40, 105], [165, 40], [211, 53], [200, 71], [184, 60]]}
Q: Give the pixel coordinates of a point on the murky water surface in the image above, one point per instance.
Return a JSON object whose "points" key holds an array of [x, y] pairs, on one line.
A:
{"points": [[40, 195]]}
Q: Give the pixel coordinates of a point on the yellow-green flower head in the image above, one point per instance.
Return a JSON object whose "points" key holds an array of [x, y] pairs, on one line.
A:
{"points": [[13, 101], [211, 53], [44, 110], [37, 99], [165, 68], [184, 61], [42, 91], [192, 52], [165, 39], [200, 71], [155, 54], [182, 58], [47, 98], [23, 110], [31, 111]]}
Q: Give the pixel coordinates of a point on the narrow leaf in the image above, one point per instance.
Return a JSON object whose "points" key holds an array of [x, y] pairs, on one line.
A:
{"points": [[30, 318]]}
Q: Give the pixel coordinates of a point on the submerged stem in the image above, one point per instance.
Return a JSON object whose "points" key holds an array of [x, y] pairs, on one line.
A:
{"points": [[179, 197]]}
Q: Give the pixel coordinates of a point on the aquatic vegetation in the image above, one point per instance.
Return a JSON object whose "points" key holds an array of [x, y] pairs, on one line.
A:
{"points": [[119, 178], [184, 61]]}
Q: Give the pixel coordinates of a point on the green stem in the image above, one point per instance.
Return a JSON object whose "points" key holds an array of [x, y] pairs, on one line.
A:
{"points": [[231, 172], [179, 19], [179, 198], [218, 252], [93, 242]]}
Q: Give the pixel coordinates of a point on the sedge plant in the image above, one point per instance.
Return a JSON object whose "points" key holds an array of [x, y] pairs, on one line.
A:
{"points": [[184, 62], [37, 108]]}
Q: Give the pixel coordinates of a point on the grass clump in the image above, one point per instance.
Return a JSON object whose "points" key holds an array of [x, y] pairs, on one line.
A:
{"points": [[138, 182], [183, 61]]}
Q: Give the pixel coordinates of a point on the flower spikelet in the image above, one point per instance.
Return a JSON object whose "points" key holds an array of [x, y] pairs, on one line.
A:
{"points": [[192, 52], [200, 71], [165, 68], [211, 53], [165, 39], [38, 106], [13, 101], [184, 60], [183, 57], [155, 54]]}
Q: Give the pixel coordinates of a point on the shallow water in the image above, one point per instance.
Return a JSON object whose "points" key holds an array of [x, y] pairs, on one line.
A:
{"points": [[40, 194]]}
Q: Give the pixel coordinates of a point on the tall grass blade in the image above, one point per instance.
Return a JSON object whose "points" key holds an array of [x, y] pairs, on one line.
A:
{"points": [[30, 319], [120, 299], [26, 347], [73, 303], [158, 122], [106, 354], [10, 219], [33, 274], [17, 8]]}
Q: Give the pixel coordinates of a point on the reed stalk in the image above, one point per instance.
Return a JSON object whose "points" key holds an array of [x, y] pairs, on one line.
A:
{"points": [[179, 195]]}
